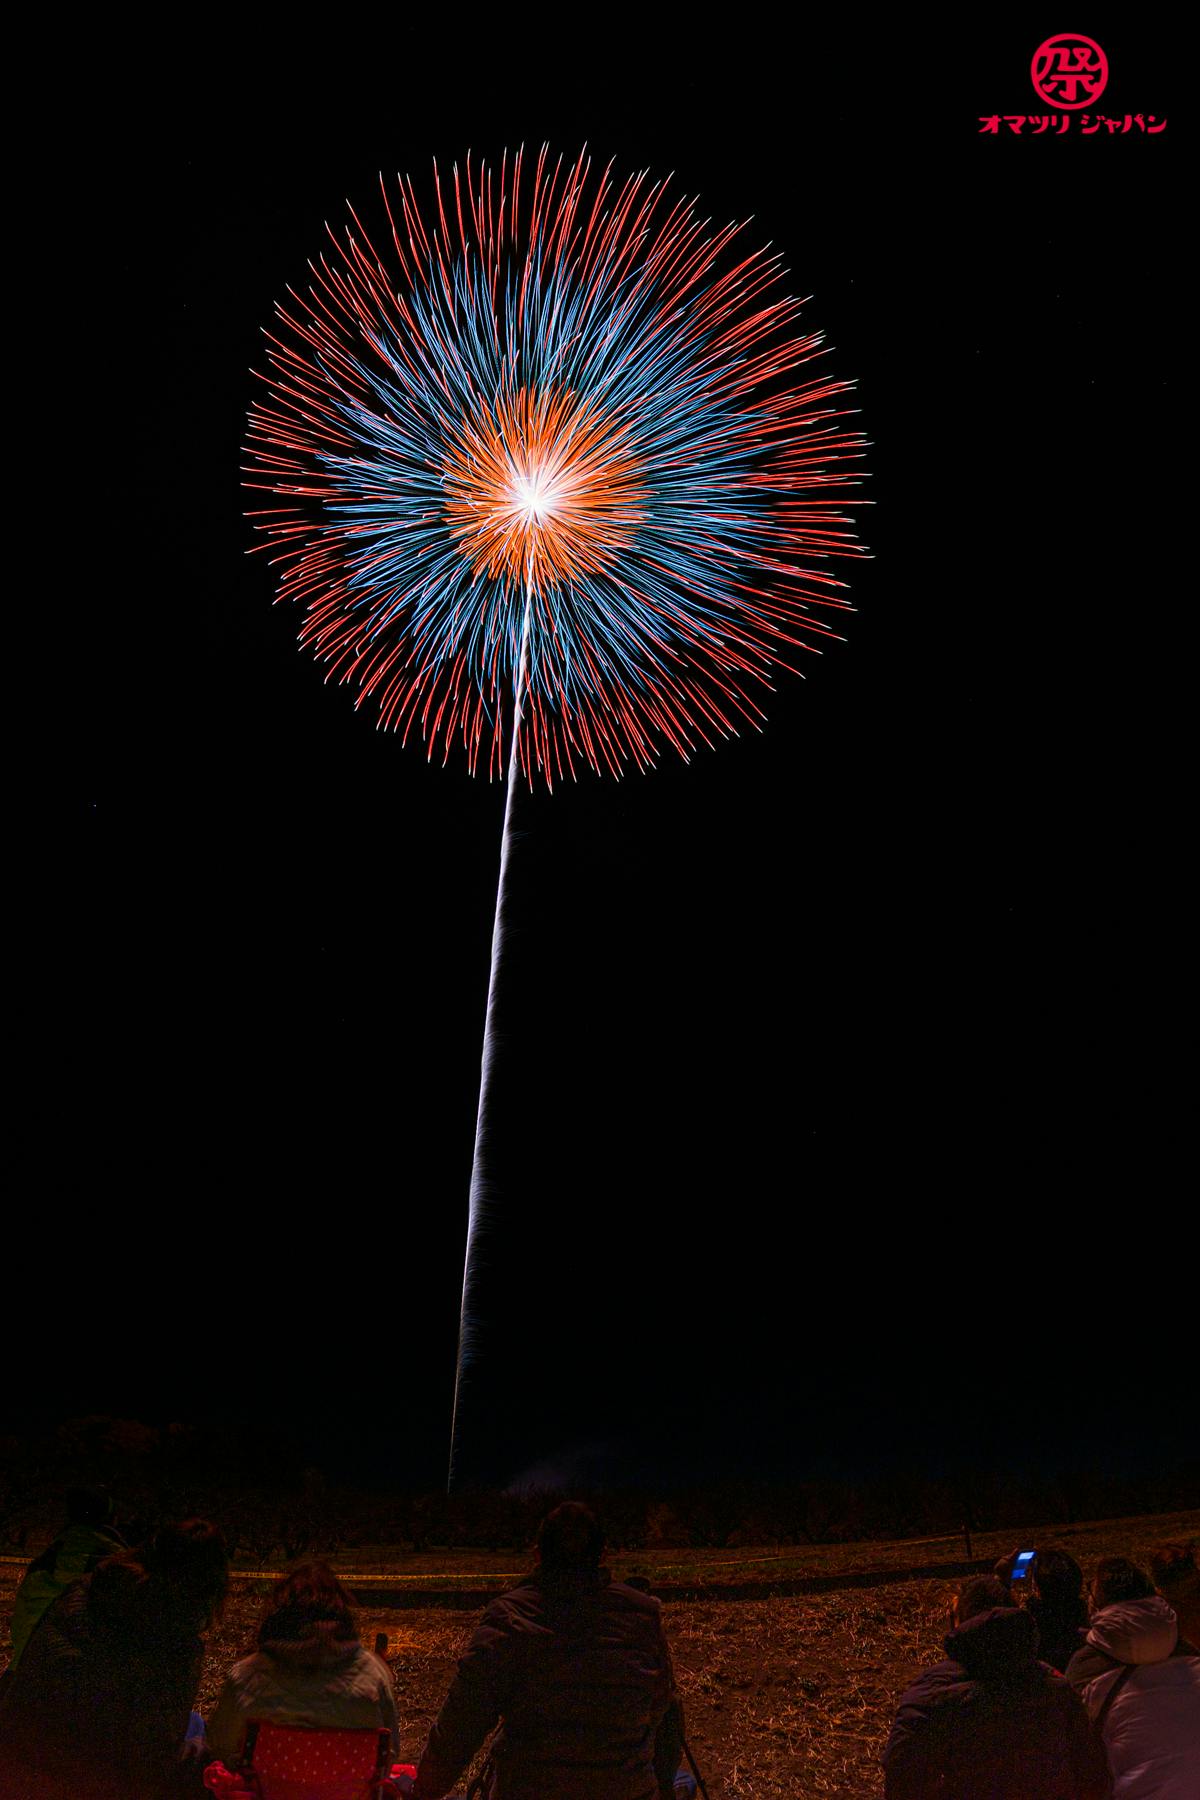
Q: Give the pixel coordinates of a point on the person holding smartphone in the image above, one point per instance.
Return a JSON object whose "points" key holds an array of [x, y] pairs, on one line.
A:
{"points": [[992, 1719]]}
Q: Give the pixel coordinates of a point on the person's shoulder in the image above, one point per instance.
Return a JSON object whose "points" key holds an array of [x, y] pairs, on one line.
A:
{"points": [[633, 1599], [524, 1592], [375, 1666], [942, 1685], [524, 1600], [1088, 1662]]}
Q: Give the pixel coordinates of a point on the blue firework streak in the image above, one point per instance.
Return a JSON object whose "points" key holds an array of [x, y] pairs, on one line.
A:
{"points": [[563, 418]]}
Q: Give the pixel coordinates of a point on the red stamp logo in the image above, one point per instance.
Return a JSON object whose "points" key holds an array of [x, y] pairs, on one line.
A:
{"points": [[1069, 70]]}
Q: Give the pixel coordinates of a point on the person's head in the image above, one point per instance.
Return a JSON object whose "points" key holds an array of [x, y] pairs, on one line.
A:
{"points": [[1118, 1579], [983, 1593], [190, 1564], [310, 1595], [88, 1506], [1173, 1566], [570, 1538], [1057, 1578]]}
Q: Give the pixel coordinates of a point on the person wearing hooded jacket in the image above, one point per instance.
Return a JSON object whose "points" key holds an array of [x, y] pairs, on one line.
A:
{"points": [[575, 1669], [1145, 1696], [992, 1722], [309, 1669]]}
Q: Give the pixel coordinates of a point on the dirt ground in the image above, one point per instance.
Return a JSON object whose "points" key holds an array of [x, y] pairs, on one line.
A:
{"points": [[785, 1698]]}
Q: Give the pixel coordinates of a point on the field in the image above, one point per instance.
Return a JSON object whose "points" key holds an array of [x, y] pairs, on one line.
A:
{"points": [[787, 1697]]}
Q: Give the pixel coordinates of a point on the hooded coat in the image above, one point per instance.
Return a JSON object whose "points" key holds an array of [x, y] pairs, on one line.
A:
{"points": [[99, 1706], [576, 1668], [322, 1679], [993, 1723], [1151, 1727]]}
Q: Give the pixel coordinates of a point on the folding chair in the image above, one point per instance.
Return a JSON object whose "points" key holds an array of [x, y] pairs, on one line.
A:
{"points": [[294, 1762]]}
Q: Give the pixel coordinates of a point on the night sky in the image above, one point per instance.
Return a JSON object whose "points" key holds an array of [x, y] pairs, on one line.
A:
{"points": [[824, 1055]]}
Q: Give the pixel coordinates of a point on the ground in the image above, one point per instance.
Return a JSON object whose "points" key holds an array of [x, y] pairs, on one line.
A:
{"points": [[786, 1698]]}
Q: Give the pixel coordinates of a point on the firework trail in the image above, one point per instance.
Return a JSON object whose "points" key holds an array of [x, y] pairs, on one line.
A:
{"points": [[553, 471], [479, 1195]]}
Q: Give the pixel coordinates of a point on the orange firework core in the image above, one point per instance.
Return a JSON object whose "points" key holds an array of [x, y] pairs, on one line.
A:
{"points": [[542, 489]]}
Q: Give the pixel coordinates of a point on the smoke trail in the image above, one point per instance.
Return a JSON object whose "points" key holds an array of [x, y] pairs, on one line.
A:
{"points": [[477, 1204]]}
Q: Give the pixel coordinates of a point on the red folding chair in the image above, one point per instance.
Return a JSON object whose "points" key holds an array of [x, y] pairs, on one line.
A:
{"points": [[292, 1762]]}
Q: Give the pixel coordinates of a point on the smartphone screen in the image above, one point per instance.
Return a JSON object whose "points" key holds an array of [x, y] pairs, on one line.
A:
{"points": [[1021, 1566]]}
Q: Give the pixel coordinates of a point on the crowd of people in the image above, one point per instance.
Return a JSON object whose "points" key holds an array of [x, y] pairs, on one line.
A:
{"points": [[1061, 1698], [1044, 1695]]}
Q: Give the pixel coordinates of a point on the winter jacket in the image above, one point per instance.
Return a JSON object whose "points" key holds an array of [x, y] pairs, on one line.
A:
{"points": [[576, 1668], [993, 1723], [1152, 1725], [99, 1707], [74, 1553], [324, 1678]]}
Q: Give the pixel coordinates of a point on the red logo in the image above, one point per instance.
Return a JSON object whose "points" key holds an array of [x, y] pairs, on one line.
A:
{"points": [[1069, 70]]}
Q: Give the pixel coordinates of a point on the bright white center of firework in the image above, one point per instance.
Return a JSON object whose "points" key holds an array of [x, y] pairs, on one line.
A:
{"points": [[534, 495]]}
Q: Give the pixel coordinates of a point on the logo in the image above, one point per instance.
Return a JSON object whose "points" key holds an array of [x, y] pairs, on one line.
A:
{"points": [[1069, 71]]}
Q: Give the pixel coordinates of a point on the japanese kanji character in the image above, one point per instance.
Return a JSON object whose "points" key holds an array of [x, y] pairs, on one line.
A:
{"points": [[1073, 73], [992, 124]]}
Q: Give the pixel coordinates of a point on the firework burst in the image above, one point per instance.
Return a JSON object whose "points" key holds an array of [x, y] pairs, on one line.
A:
{"points": [[558, 435], [550, 486]]}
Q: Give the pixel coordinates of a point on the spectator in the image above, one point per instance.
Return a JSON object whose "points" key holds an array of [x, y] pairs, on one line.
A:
{"points": [[100, 1706], [1173, 1567], [1117, 1578], [85, 1540], [576, 1669], [309, 1668], [992, 1723], [1057, 1605], [1143, 1697]]}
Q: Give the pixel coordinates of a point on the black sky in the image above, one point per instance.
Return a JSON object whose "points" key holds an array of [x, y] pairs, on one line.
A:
{"points": [[834, 1084]]}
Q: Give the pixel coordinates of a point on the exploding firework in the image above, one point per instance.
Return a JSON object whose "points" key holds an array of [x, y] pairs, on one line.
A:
{"points": [[559, 420], [550, 486]]}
